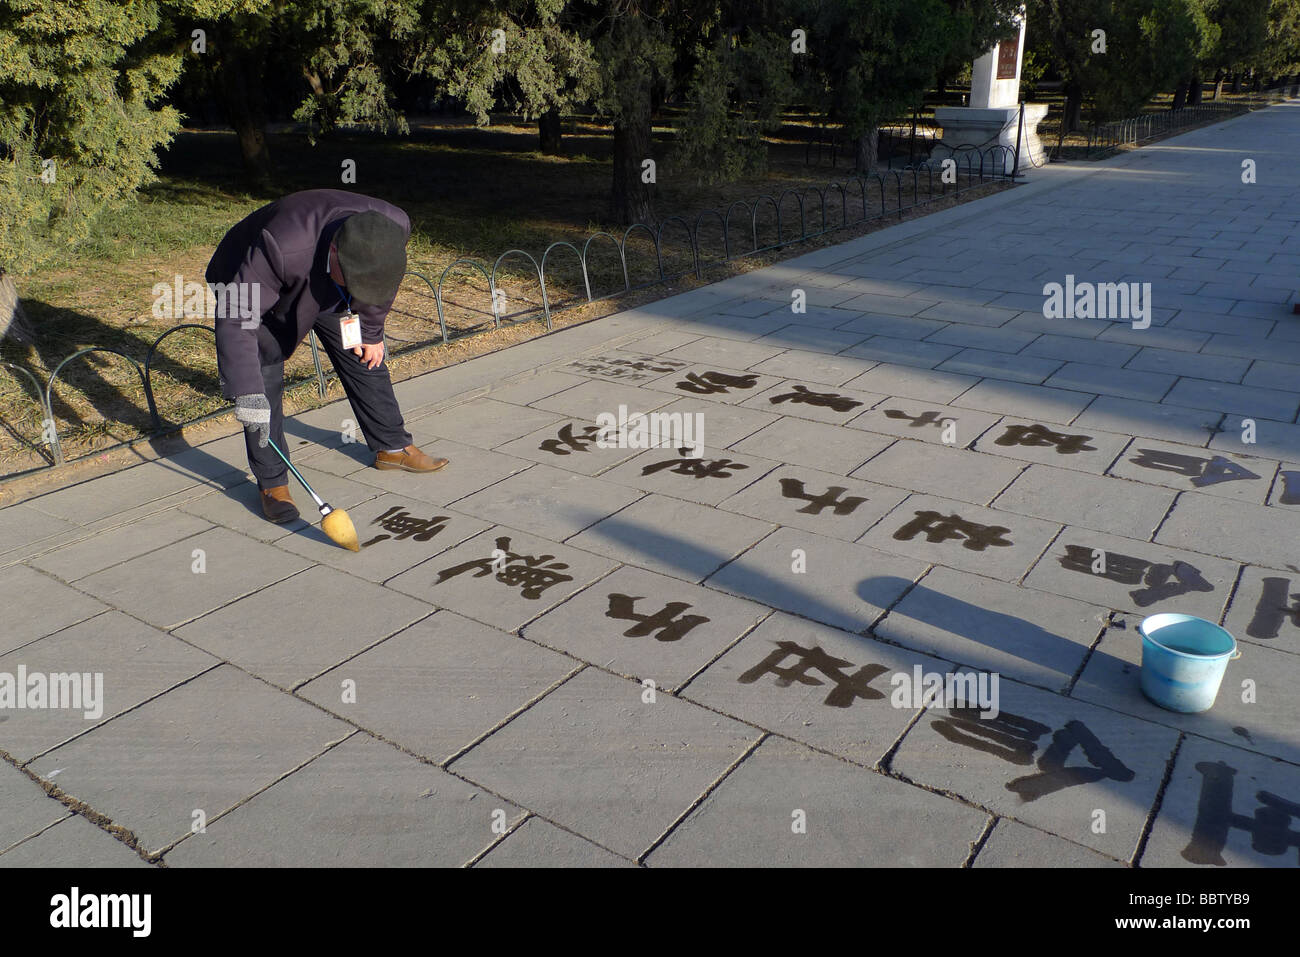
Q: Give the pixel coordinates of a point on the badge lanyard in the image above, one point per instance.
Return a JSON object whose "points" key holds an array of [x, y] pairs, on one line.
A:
{"points": [[350, 324]]}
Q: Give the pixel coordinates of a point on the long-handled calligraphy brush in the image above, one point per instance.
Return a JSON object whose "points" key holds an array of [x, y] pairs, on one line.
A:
{"points": [[334, 522]]}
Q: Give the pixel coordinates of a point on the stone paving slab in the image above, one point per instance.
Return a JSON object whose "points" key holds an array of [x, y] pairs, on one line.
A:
{"points": [[1209, 816], [802, 399], [788, 806], [360, 804], [1012, 844], [1286, 487], [101, 498], [1074, 350], [588, 400], [993, 626], [1086, 377], [819, 502], [925, 422], [570, 444], [116, 663], [1020, 763], [725, 352], [291, 631], [798, 440], [982, 337], [167, 589], [150, 769], [1042, 403], [715, 383], [28, 809], [79, 559], [597, 757], [815, 684], [240, 509], [798, 363], [539, 386], [1263, 715], [999, 365], [907, 382], [722, 425], [469, 677], [1274, 440], [707, 480], [1239, 399], [841, 584], [1272, 375], [1048, 443], [550, 502], [469, 470], [897, 326], [36, 605], [1194, 469], [671, 536], [1264, 609], [530, 576], [908, 352], [395, 535], [1174, 362], [940, 470], [1237, 530], [72, 843], [23, 528], [643, 625], [1133, 576], [538, 843], [794, 336], [963, 536], [1148, 419], [484, 423], [1097, 502]]}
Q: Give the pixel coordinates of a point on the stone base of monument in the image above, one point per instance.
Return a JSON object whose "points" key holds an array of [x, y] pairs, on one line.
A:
{"points": [[969, 132]]}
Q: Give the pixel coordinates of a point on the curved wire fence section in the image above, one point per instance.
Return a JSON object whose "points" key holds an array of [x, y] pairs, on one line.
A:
{"points": [[792, 216], [1133, 130]]}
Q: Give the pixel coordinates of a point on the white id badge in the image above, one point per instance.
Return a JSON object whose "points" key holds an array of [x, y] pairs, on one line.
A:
{"points": [[350, 326]]}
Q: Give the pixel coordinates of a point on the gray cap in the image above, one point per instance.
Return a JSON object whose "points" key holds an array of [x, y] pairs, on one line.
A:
{"points": [[372, 256]]}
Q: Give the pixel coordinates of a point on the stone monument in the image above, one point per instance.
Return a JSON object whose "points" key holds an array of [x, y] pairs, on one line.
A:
{"points": [[992, 117]]}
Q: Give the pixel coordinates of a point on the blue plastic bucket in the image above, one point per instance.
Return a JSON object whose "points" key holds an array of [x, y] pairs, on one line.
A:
{"points": [[1183, 660]]}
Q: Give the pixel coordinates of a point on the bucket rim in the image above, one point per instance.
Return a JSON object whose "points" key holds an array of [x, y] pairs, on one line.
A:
{"points": [[1146, 636]]}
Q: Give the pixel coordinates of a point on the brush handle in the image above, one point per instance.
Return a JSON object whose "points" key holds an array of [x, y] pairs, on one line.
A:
{"points": [[296, 474]]}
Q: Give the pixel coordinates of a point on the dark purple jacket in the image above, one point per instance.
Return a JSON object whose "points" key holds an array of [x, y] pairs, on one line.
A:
{"points": [[283, 248]]}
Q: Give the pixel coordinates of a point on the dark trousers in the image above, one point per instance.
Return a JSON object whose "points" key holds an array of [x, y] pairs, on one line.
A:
{"points": [[369, 390]]}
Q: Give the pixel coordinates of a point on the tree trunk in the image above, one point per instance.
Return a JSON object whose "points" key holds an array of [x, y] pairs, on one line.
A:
{"points": [[630, 197], [1236, 83], [1219, 78], [549, 132], [1194, 91], [1073, 118], [866, 150], [14, 324], [1180, 97], [240, 89]]}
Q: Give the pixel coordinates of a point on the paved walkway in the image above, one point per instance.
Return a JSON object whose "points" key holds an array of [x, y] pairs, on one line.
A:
{"points": [[555, 653]]}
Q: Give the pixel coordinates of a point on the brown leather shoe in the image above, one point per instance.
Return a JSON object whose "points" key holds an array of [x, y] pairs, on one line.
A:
{"points": [[277, 505], [410, 459]]}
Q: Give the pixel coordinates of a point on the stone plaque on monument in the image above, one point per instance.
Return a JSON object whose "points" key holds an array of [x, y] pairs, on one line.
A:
{"points": [[1009, 60]]}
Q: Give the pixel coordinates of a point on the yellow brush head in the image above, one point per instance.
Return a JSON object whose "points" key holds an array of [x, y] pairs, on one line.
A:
{"points": [[340, 529]]}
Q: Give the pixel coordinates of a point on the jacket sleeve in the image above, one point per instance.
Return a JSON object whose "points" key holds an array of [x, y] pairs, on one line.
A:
{"points": [[251, 293]]}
